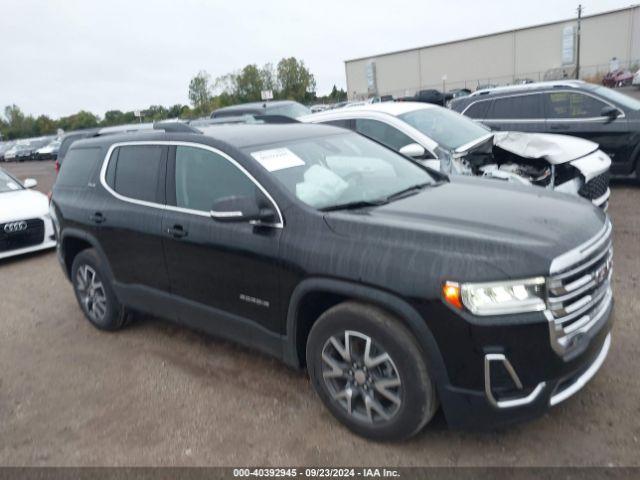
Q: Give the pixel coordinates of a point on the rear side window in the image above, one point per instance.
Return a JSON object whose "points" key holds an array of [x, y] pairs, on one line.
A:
{"points": [[78, 166], [134, 171], [520, 107], [477, 110], [572, 105]]}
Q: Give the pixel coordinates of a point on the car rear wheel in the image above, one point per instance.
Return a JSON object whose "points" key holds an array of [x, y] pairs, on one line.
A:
{"points": [[369, 372], [94, 293]]}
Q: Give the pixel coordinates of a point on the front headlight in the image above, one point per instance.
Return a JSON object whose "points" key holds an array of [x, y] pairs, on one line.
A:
{"points": [[499, 298]]}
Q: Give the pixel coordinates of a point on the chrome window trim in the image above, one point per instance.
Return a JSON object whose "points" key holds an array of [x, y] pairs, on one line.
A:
{"points": [[545, 119], [107, 159], [510, 403]]}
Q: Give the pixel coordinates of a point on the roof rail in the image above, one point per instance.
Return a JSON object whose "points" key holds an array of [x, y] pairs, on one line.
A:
{"points": [[175, 127]]}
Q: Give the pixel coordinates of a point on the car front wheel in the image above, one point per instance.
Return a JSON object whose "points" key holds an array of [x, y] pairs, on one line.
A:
{"points": [[370, 372]]}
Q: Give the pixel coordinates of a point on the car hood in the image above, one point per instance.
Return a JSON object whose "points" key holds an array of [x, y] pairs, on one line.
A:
{"points": [[467, 225], [551, 147], [22, 205]]}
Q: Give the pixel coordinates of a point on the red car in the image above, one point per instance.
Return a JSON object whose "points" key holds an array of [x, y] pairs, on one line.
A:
{"points": [[617, 78]]}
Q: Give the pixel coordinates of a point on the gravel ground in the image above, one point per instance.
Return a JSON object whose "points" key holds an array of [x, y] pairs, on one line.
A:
{"points": [[158, 394]]}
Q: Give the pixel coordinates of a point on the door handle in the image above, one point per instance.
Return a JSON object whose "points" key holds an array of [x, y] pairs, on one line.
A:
{"points": [[559, 127], [97, 217], [177, 231]]}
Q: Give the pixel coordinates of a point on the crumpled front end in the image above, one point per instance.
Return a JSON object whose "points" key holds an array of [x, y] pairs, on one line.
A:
{"points": [[559, 162]]}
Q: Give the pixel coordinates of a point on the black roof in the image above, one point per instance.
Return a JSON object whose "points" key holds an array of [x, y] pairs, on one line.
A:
{"points": [[238, 135]]}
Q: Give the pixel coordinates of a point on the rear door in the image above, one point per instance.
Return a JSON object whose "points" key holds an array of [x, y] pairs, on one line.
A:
{"points": [[520, 113], [129, 221], [232, 267], [577, 113]]}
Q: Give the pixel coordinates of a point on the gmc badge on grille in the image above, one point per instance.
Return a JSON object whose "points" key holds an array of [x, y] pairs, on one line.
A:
{"points": [[15, 227]]}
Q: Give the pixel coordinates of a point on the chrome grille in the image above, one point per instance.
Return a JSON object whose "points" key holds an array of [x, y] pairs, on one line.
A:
{"points": [[579, 289]]}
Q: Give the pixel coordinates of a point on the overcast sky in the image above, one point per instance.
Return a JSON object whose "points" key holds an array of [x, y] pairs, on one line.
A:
{"points": [[57, 57]]}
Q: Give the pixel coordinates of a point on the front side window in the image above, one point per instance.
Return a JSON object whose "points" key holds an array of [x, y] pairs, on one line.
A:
{"points": [[572, 105], [520, 107], [203, 177], [339, 169], [134, 171], [383, 133]]}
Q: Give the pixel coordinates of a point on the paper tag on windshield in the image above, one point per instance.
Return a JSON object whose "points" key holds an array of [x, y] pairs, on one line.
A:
{"points": [[277, 159], [13, 186]]}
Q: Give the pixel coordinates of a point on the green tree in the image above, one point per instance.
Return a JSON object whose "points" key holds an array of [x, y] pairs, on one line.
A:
{"points": [[200, 92], [269, 77], [82, 119], [43, 125], [337, 95], [295, 81], [248, 84]]}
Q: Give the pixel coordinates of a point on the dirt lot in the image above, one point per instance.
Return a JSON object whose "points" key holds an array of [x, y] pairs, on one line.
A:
{"points": [[157, 394]]}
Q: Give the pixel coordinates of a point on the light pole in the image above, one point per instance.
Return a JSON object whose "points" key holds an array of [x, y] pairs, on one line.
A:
{"points": [[578, 42]]}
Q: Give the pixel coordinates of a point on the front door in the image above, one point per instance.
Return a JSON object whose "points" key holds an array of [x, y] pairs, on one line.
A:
{"points": [[229, 267], [578, 114]]}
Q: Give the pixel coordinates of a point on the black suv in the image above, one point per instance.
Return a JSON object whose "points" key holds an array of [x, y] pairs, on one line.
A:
{"points": [[604, 116], [287, 108], [397, 288]]}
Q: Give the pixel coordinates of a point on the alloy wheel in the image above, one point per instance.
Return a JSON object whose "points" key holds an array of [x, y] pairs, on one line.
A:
{"points": [[91, 293], [361, 377]]}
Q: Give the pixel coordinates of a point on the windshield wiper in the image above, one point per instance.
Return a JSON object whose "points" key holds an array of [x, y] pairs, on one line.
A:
{"points": [[353, 205], [407, 191]]}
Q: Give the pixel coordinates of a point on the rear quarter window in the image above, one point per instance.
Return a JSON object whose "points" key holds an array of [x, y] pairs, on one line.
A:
{"points": [[78, 167]]}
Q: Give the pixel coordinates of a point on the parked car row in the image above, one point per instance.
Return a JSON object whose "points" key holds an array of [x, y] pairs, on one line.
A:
{"points": [[41, 148], [399, 288]]}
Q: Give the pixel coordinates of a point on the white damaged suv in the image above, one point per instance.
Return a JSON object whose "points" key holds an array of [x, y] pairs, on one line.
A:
{"points": [[454, 144]]}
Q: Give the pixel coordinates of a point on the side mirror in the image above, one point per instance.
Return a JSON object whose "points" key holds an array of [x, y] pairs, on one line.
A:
{"points": [[413, 150], [611, 112], [30, 183], [240, 209]]}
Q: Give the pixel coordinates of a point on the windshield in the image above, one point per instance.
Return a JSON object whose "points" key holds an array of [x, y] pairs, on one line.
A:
{"points": [[339, 169], [8, 183], [293, 110], [448, 129], [624, 100]]}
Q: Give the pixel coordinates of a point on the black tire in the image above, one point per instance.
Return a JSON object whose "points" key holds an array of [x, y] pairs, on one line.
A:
{"points": [[387, 334], [113, 316]]}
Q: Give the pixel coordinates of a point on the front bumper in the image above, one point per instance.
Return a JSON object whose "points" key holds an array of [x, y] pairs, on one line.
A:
{"points": [[48, 241], [485, 408]]}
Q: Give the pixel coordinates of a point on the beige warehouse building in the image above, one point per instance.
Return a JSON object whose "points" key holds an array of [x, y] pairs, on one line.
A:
{"points": [[541, 52]]}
